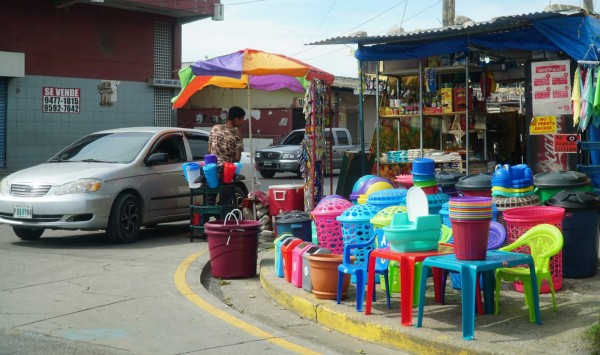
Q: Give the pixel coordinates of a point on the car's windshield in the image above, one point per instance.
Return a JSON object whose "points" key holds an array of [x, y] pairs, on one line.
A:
{"points": [[105, 147], [294, 138]]}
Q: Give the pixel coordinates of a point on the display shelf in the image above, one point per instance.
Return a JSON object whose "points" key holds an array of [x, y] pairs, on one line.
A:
{"points": [[453, 69], [439, 114], [198, 206]]}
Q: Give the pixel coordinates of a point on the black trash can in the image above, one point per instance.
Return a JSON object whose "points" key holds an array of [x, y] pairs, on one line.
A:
{"points": [[580, 232], [475, 185], [446, 181], [549, 183], [296, 223]]}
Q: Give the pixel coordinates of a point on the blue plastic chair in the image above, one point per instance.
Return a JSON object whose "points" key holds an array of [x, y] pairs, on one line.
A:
{"points": [[360, 271]]}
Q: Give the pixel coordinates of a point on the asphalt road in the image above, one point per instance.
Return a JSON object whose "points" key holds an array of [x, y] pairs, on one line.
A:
{"points": [[76, 293]]}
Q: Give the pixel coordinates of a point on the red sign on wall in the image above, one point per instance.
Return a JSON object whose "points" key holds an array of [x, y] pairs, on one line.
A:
{"points": [[565, 143]]}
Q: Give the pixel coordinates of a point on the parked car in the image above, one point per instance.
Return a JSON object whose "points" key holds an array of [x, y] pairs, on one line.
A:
{"points": [[115, 180], [285, 156]]}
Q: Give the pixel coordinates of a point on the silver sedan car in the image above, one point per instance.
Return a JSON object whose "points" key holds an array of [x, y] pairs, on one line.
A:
{"points": [[115, 180]]}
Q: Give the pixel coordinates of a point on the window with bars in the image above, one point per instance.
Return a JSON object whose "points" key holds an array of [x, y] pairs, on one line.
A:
{"points": [[163, 65]]}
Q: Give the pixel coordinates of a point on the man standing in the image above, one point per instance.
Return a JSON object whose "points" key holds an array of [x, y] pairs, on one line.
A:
{"points": [[227, 143]]}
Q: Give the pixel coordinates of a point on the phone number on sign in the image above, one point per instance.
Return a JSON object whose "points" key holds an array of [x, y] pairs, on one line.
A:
{"points": [[61, 104]]}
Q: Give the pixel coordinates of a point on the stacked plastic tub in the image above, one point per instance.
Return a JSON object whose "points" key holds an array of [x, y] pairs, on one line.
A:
{"points": [[357, 228], [512, 186], [423, 173], [329, 231]]}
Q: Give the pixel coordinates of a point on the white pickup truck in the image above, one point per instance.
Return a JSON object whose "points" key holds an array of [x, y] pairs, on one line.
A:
{"points": [[285, 156]]}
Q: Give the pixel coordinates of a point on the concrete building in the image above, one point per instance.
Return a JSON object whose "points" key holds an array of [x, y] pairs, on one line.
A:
{"points": [[71, 67]]}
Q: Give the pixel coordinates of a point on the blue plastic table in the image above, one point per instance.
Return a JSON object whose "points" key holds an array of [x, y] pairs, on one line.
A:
{"points": [[468, 270]]}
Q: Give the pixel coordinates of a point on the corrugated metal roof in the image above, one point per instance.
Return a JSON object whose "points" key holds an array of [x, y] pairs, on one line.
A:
{"points": [[497, 24]]}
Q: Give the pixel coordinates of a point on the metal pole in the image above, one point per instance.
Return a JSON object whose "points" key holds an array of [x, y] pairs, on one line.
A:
{"points": [[361, 119], [467, 111], [377, 113], [421, 108]]}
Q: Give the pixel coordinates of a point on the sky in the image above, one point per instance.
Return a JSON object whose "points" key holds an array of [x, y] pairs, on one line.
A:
{"points": [[287, 26]]}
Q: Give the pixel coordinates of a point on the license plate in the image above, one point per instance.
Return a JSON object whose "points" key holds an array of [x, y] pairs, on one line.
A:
{"points": [[268, 163], [22, 212]]}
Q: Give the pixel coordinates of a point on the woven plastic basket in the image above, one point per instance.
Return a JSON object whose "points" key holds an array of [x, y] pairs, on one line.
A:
{"points": [[329, 231], [470, 239], [520, 220]]}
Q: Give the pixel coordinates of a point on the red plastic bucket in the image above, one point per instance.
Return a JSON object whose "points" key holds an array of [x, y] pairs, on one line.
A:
{"points": [[233, 248], [470, 238]]}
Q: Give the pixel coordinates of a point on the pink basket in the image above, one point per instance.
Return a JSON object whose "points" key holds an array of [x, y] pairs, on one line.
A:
{"points": [[470, 238], [329, 230], [520, 220]]}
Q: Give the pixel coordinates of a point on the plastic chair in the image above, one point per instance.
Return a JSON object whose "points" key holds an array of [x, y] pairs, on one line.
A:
{"points": [[544, 241], [360, 270]]}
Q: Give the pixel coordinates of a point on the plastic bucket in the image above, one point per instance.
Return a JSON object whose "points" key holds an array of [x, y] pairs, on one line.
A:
{"points": [[470, 238], [233, 248]]}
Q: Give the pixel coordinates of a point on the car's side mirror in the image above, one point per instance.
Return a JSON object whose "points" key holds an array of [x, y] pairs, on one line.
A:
{"points": [[157, 158]]}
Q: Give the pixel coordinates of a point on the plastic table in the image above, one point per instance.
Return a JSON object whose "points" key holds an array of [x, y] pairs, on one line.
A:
{"points": [[468, 270], [407, 262]]}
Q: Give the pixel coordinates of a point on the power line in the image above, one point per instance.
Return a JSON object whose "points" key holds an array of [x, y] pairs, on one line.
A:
{"points": [[376, 16], [318, 27]]}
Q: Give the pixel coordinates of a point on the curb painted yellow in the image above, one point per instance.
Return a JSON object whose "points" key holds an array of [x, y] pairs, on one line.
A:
{"points": [[180, 282], [319, 312]]}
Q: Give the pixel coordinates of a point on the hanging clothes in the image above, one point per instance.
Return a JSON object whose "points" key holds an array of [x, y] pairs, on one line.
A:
{"points": [[576, 97], [587, 100], [596, 104]]}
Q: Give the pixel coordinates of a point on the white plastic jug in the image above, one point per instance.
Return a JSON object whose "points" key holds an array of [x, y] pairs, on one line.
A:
{"points": [[192, 172]]}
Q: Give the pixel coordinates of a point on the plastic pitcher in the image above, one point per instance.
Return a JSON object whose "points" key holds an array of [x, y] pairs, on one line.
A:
{"points": [[191, 172], [210, 159], [228, 172], [210, 172]]}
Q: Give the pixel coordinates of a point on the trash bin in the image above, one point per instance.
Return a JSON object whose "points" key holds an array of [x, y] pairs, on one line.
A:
{"points": [[580, 232], [446, 182], [306, 272], [233, 248], [286, 257], [297, 262], [279, 241], [329, 232], [549, 183], [475, 185], [296, 222]]}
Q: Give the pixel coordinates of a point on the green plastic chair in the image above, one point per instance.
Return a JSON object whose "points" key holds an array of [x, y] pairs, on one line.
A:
{"points": [[544, 241]]}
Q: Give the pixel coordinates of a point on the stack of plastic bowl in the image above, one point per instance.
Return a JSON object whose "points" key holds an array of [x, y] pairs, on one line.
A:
{"points": [[406, 180], [358, 185], [373, 185], [329, 231], [357, 228], [388, 197], [423, 175], [445, 213], [470, 218], [512, 186]]}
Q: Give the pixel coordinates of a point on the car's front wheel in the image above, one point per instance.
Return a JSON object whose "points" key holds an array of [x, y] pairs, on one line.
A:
{"points": [[267, 174], [28, 233], [125, 218]]}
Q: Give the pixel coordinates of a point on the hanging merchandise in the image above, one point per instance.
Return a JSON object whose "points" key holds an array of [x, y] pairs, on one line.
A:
{"points": [[576, 97]]}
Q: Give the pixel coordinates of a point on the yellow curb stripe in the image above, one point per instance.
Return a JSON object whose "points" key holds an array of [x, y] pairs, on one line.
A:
{"points": [[183, 288]]}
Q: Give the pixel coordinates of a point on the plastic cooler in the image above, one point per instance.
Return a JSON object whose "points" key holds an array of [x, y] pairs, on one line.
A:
{"points": [[549, 183], [475, 185], [329, 231], [284, 198], [357, 228], [297, 223], [306, 270], [279, 241], [297, 262], [580, 232], [286, 257], [520, 220]]}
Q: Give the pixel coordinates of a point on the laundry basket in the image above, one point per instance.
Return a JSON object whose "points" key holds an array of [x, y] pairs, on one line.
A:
{"points": [[520, 220], [329, 231]]}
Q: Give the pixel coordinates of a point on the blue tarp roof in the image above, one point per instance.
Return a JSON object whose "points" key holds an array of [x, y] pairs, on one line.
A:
{"points": [[570, 34]]}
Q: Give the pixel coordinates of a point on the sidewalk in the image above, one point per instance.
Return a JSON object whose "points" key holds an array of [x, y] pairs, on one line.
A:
{"points": [[507, 333]]}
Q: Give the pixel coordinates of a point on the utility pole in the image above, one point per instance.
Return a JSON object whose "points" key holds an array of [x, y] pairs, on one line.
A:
{"points": [[588, 5], [448, 13]]}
